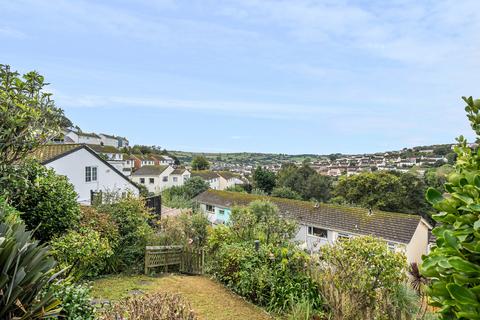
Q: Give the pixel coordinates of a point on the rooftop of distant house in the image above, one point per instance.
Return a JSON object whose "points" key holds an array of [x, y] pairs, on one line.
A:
{"points": [[392, 226], [149, 171]]}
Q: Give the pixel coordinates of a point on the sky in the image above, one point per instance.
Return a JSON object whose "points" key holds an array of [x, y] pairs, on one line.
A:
{"points": [[292, 76]]}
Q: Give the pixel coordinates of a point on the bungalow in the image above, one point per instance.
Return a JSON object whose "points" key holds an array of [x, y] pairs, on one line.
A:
{"points": [[155, 178], [85, 169], [212, 178], [320, 223]]}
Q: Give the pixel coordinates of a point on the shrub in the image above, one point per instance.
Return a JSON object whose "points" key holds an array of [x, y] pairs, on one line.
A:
{"points": [[365, 271], [131, 216], [75, 300], [101, 222], [47, 202], [453, 265], [261, 221], [84, 252], [273, 277], [154, 306], [26, 269], [286, 192]]}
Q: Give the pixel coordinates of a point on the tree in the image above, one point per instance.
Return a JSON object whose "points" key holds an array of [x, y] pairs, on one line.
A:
{"points": [[28, 116], [437, 177], [453, 264], [390, 191], [194, 186], [305, 181], [264, 179], [285, 192], [47, 202], [200, 163]]}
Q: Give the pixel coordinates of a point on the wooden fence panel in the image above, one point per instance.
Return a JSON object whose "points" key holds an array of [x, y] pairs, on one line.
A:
{"points": [[188, 260]]}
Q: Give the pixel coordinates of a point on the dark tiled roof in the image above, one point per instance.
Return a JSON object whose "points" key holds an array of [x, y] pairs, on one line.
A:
{"points": [[51, 151], [150, 171], [398, 227], [179, 171], [103, 149], [205, 174]]}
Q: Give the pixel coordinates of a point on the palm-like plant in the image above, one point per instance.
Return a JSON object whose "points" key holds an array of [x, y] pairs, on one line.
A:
{"points": [[25, 269]]}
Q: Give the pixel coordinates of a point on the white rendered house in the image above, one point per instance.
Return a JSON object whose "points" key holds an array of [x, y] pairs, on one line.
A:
{"points": [[85, 169]]}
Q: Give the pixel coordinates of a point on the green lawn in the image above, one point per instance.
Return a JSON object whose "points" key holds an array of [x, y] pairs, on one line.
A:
{"points": [[209, 299]]}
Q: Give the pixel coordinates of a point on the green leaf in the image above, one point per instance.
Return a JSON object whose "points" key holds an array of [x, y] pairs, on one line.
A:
{"points": [[461, 294], [433, 196], [463, 265], [476, 225]]}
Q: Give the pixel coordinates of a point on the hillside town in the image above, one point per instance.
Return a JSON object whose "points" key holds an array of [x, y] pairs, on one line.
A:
{"points": [[239, 160]]}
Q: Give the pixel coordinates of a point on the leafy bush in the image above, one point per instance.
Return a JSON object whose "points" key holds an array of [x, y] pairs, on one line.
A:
{"points": [[363, 270], [75, 300], [273, 277], [101, 222], [181, 196], [261, 221], [47, 202], [84, 252], [453, 265], [26, 269], [131, 216], [286, 192], [155, 306], [182, 230], [276, 275]]}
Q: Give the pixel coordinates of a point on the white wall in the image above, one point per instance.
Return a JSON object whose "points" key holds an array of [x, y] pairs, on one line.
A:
{"points": [[159, 185], [107, 141], [73, 167]]}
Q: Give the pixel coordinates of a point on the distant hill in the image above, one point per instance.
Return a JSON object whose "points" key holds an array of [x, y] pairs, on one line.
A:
{"points": [[254, 158]]}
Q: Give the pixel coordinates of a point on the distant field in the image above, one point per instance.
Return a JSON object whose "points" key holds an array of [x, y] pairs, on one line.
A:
{"points": [[244, 157]]}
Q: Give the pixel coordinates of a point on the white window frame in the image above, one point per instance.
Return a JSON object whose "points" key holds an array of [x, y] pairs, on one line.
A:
{"points": [[342, 235], [175, 179], [310, 232], [151, 180], [221, 211], [165, 179], [207, 206], [142, 180], [91, 174]]}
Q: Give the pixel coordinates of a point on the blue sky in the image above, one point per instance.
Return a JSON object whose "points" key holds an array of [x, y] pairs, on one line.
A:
{"points": [[292, 76]]}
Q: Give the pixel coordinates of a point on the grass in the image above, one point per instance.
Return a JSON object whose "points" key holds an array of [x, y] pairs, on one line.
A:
{"points": [[209, 299]]}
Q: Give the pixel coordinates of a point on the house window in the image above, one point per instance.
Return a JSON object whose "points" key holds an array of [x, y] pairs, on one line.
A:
{"points": [[318, 232], [165, 179], [391, 246], [90, 174], [175, 179], [209, 208], [222, 212], [142, 180], [343, 236], [151, 180]]}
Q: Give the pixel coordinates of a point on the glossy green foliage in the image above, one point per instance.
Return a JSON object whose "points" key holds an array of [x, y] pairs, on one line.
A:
{"points": [[47, 202], [453, 265], [28, 116], [26, 267], [83, 252]]}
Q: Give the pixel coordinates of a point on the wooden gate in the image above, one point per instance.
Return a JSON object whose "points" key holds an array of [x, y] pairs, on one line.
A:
{"points": [[186, 260], [154, 203]]}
